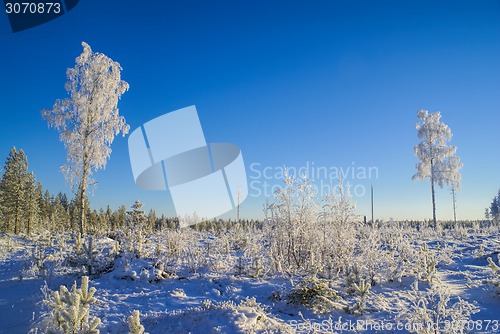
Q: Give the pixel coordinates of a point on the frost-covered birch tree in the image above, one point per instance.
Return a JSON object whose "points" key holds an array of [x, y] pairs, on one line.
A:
{"points": [[437, 160], [88, 121]]}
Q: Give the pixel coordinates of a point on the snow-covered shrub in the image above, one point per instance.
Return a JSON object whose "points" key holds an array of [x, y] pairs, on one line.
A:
{"points": [[293, 218], [338, 226], [495, 281], [134, 324], [316, 294], [90, 255], [352, 276], [85, 255], [430, 312], [41, 263], [401, 254], [70, 310], [372, 255], [178, 293], [363, 289], [426, 264]]}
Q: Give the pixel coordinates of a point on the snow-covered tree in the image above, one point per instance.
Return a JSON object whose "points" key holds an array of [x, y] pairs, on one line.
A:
{"points": [[495, 207], [70, 310], [89, 120], [437, 160], [31, 208], [135, 217], [13, 185]]}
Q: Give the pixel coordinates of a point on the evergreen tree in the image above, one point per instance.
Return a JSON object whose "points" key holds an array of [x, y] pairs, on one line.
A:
{"points": [[39, 199], [93, 219], [135, 217], [14, 186], [47, 205], [109, 213], [63, 199], [121, 217], [487, 214], [151, 220], [495, 208], [103, 219], [31, 208]]}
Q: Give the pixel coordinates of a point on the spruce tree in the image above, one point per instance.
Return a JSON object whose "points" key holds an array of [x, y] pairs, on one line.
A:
{"points": [[14, 186]]}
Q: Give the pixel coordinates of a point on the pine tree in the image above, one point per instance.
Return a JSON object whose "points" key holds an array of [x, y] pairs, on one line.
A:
{"points": [[135, 217], [31, 208], [70, 310], [89, 120], [109, 213], [63, 199], [39, 199], [47, 205], [151, 220], [58, 214], [14, 186]]}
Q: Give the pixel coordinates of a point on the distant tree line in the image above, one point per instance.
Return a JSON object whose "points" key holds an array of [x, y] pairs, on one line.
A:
{"points": [[25, 207]]}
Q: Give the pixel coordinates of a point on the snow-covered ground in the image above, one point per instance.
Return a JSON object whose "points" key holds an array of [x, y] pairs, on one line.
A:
{"points": [[208, 282]]}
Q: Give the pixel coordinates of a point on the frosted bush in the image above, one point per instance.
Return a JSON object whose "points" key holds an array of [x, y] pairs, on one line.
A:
{"points": [[495, 280], [317, 295], [429, 311]]}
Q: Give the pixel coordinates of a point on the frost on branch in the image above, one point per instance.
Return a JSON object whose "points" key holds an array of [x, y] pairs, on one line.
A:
{"points": [[70, 310], [89, 120], [134, 324], [437, 161], [430, 312]]}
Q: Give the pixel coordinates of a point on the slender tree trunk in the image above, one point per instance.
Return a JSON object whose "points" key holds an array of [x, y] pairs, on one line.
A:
{"points": [[433, 197], [373, 222], [82, 209], [454, 206], [433, 203], [83, 186]]}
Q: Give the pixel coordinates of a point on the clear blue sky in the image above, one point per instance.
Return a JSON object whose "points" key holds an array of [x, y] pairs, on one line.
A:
{"points": [[337, 83]]}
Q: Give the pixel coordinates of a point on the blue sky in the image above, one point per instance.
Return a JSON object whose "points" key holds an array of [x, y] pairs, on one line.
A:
{"points": [[334, 83]]}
